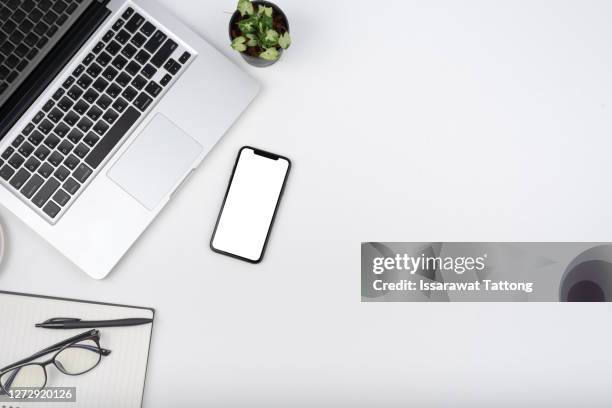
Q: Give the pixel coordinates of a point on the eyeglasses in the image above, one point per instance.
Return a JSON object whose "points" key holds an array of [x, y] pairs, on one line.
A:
{"points": [[74, 356]]}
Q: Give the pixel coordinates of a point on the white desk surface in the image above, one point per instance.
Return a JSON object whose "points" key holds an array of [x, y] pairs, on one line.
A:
{"points": [[405, 121]]}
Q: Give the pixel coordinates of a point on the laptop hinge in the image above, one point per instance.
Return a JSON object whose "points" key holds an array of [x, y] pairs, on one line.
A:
{"points": [[52, 64]]}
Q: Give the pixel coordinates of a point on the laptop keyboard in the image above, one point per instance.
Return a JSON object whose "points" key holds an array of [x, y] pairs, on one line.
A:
{"points": [[26, 27], [90, 113]]}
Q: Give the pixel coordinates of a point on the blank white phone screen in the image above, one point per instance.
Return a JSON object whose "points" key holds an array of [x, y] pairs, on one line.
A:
{"points": [[250, 204]]}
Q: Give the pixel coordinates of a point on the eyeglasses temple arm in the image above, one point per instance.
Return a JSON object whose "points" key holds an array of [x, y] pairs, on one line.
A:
{"points": [[50, 349]]}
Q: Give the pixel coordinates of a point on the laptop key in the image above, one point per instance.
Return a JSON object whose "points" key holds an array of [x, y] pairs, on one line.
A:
{"points": [[129, 51], [61, 129], [78, 70], [81, 107], [7, 153], [38, 117], [36, 137], [51, 141], [16, 160], [56, 115], [153, 89], [109, 34], [81, 150], [85, 81], [109, 73], [110, 116], [100, 128], [17, 141], [103, 59], [91, 139], [75, 135], [94, 113], [32, 186], [82, 173], [58, 94], [148, 71], [71, 185], [6, 172], [69, 81], [138, 40], [119, 62], [51, 209], [71, 118], [99, 47], [32, 164], [123, 79], [61, 197], [143, 101], [42, 152], [118, 24], [166, 80], [100, 84], [91, 96], [185, 57], [127, 13], [135, 21], [129, 93], [55, 159], [90, 57], [113, 90], [48, 105], [20, 178], [84, 124], [120, 105], [155, 42], [26, 149], [113, 47], [94, 70], [139, 82], [164, 53], [132, 68], [123, 36], [75, 92], [65, 147], [113, 136], [142, 56], [147, 28], [104, 101], [65, 104], [45, 170], [71, 162], [45, 126], [45, 192], [61, 173]]}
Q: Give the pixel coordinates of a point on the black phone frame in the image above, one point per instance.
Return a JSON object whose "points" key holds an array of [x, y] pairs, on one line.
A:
{"points": [[271, 156]]}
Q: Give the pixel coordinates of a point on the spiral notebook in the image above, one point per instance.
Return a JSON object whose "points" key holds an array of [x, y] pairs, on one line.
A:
{"points": [[118, 381]]}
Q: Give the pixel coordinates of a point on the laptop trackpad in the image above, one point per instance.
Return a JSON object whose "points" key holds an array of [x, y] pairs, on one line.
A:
{"points": [[156, 162]]}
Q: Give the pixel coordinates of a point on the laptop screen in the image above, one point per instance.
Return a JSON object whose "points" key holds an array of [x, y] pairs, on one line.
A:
{"points": [[29, 29]]}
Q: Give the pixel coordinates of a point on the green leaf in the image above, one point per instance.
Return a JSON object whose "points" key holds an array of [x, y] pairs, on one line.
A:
{"points": [[264, 23], [239, 44], [248, 25], [271, 38], [284, 41], [245, 7], [252, 40], [263, 10], [270, 54]]}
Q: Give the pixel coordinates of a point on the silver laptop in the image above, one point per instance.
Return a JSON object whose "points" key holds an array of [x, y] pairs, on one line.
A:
{"points": [[105, 108]]}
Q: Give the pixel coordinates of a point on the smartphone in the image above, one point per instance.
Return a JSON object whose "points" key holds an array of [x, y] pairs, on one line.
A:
{"points": [[250, 204]]}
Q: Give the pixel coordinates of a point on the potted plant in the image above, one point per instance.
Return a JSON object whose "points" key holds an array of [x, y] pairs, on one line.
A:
{"points": [[259, 30]]}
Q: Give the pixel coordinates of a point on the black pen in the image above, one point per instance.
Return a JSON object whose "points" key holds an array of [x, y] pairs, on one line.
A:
{"points": [[71, 323]]}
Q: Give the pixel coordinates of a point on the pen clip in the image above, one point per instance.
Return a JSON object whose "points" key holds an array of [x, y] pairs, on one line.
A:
{"points": [[61, 320]]}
